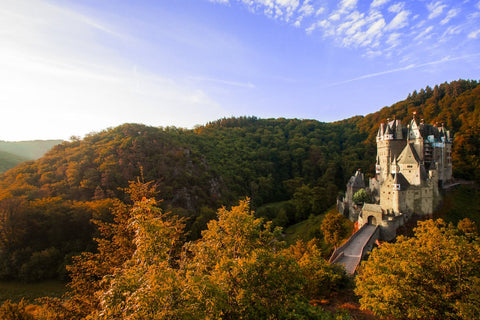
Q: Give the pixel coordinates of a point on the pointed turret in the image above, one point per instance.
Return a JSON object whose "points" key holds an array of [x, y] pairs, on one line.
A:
{"points": [[413, 130], [377, 166], [380, 132], [388, 133], [394, 166], [398, 130], [395, 184]]}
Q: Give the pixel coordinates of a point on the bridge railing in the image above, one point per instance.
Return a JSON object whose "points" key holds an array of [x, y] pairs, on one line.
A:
{"points": [[339, 251], [373, 237]]}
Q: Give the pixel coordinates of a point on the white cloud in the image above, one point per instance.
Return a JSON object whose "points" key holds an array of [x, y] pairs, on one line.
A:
{"points": [[344, 8], [378, 3], [306, 9], [435, 8], [334, 16], [347, 5], [394, 39], [350, 24], [474, 34], [353, 24], [277, 9], [376, 28], [452, 30], [320, 11], [399, 21], [325, 25], [420, 24], [363, 31], [425, 34], [397, 7], [450, 14]]}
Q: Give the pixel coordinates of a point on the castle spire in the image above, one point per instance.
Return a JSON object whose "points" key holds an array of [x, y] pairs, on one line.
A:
{"points": [[394, 166], [395, 184]]}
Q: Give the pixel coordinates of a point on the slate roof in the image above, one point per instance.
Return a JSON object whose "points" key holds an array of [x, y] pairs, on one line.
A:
{"points": [[401, 180], [357, 180]]}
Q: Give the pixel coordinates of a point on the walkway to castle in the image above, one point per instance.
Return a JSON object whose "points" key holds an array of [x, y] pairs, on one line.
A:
{"points": [[352, 251]]}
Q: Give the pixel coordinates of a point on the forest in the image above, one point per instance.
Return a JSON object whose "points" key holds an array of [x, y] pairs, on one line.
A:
{"points": [[98, 212]]}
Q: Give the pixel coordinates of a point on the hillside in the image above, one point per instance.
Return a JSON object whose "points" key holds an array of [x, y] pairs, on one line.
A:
{"points": [[289, 168], [9, 160], [14, 152]]}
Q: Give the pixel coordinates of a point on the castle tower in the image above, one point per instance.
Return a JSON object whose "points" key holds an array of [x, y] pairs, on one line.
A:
{"points": [[390, 142], [415, 136]]}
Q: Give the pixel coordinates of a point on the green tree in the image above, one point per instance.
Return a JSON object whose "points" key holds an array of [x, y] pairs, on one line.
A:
{"points": [[434, 275], [361, 196]]}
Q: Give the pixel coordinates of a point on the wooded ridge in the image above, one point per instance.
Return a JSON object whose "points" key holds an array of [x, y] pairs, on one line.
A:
{"points": [[299, 165]]}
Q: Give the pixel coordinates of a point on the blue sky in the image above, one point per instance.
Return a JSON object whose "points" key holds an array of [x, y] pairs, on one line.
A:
{"points": [[75, 67]]}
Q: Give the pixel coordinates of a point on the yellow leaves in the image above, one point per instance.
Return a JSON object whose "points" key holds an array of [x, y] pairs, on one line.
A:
{"points": [[420, 277], [239, 269]]}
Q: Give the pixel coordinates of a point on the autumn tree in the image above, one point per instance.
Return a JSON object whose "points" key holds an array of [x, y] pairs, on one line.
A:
{"points": [[322, 278], [148, 285], [238, 272], [334, 228], [15, 311], [433, 275], [238, 269], [89, 270]]}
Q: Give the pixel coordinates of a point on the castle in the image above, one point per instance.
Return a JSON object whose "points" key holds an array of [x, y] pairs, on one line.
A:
{"points": [[412, 163]]}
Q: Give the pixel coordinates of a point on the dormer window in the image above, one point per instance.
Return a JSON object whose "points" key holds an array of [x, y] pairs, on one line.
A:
{"points": [[389, 137]]}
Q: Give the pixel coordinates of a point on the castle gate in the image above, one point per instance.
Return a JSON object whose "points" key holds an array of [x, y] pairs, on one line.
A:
{"points": [[372, 220]]}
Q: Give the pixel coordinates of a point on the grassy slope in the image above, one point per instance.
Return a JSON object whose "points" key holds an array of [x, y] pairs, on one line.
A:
{"points": [[15, 291], [309, 229], [463, 202]]}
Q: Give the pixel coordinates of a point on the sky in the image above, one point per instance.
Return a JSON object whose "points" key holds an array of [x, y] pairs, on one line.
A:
{"points": [[73, 67]]}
